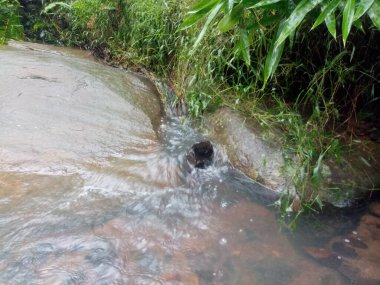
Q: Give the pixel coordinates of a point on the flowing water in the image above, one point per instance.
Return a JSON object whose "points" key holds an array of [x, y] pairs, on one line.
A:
{"points": [[95, 188]]}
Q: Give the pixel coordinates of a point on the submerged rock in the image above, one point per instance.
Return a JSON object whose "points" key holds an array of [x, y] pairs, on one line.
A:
{"points": [[357, 255], [374, 208]]}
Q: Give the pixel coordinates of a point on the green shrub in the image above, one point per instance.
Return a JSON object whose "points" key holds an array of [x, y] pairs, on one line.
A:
{"points": [[10, 26]]}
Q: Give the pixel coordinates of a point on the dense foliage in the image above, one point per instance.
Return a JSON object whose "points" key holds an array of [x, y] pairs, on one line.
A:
{"points": [[284, 16], [10, 26]]}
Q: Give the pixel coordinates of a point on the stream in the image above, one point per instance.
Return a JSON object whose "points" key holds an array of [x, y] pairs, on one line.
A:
{"points": [[95, 189]]}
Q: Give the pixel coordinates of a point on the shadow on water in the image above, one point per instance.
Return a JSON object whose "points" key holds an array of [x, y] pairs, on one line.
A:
{"points": [[136, 212]]}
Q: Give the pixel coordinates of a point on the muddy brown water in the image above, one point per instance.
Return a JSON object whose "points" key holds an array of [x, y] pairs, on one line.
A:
{"points": [[94, 188]]}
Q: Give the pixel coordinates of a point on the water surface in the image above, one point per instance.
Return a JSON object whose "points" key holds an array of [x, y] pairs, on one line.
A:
{"points": [[95, 188]]}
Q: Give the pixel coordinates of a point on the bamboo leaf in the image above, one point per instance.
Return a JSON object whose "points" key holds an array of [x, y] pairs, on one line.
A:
{"points": [[244, 46], [273, 57], [268, 20], [192, 19], [203, 4], [295, 18], [230, 5], [264, 3], [362, 8], [374, 13], [348, 18], [328, 9], [210, 17], [331, 24], [230, 19]]}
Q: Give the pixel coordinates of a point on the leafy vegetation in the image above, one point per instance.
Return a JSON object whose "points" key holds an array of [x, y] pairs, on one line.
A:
{"points": [[317, 59], [10, 26], [281, 15]]}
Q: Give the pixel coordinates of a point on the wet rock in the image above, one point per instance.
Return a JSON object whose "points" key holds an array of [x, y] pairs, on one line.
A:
{"points": [[78, 109], [259, 154], [201, 154], [252, 150], [358, 243], [181, 278], [341, 249], [356, 256], [324, 256], [374, 208]]}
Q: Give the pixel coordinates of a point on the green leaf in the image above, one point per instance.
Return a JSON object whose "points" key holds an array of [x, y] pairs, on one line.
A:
{"points": [[319, 202], [264, 3], [362, 7], [249, 3], [348, 18], [268, 20], [291, 39], [230, 5], [331, 24], [204, 4], [274, 55], [244, 46], [374, 13], [210, 17], [328, 9], [295, 18], [192, 19], [359, 25], [230, 19], [53, 5]]}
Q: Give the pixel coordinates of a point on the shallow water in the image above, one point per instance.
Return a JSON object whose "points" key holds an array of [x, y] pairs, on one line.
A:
{"points": [[95, 188]]}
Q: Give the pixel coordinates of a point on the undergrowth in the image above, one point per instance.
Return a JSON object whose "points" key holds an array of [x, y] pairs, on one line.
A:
{"points": [[10, 25], [320, 87]]}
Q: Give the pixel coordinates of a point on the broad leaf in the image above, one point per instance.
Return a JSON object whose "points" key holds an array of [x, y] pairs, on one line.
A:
{"points": [[348, 18], [274, 55], [331, 24], [362, 7], [203, 4], [230, 19], [210, 17], [328, 9], [295, 18], [194, 18], [244, 46], [374, 13]]}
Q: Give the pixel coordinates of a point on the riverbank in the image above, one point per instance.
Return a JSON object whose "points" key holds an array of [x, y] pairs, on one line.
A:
{"points": [[319, 100]]}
